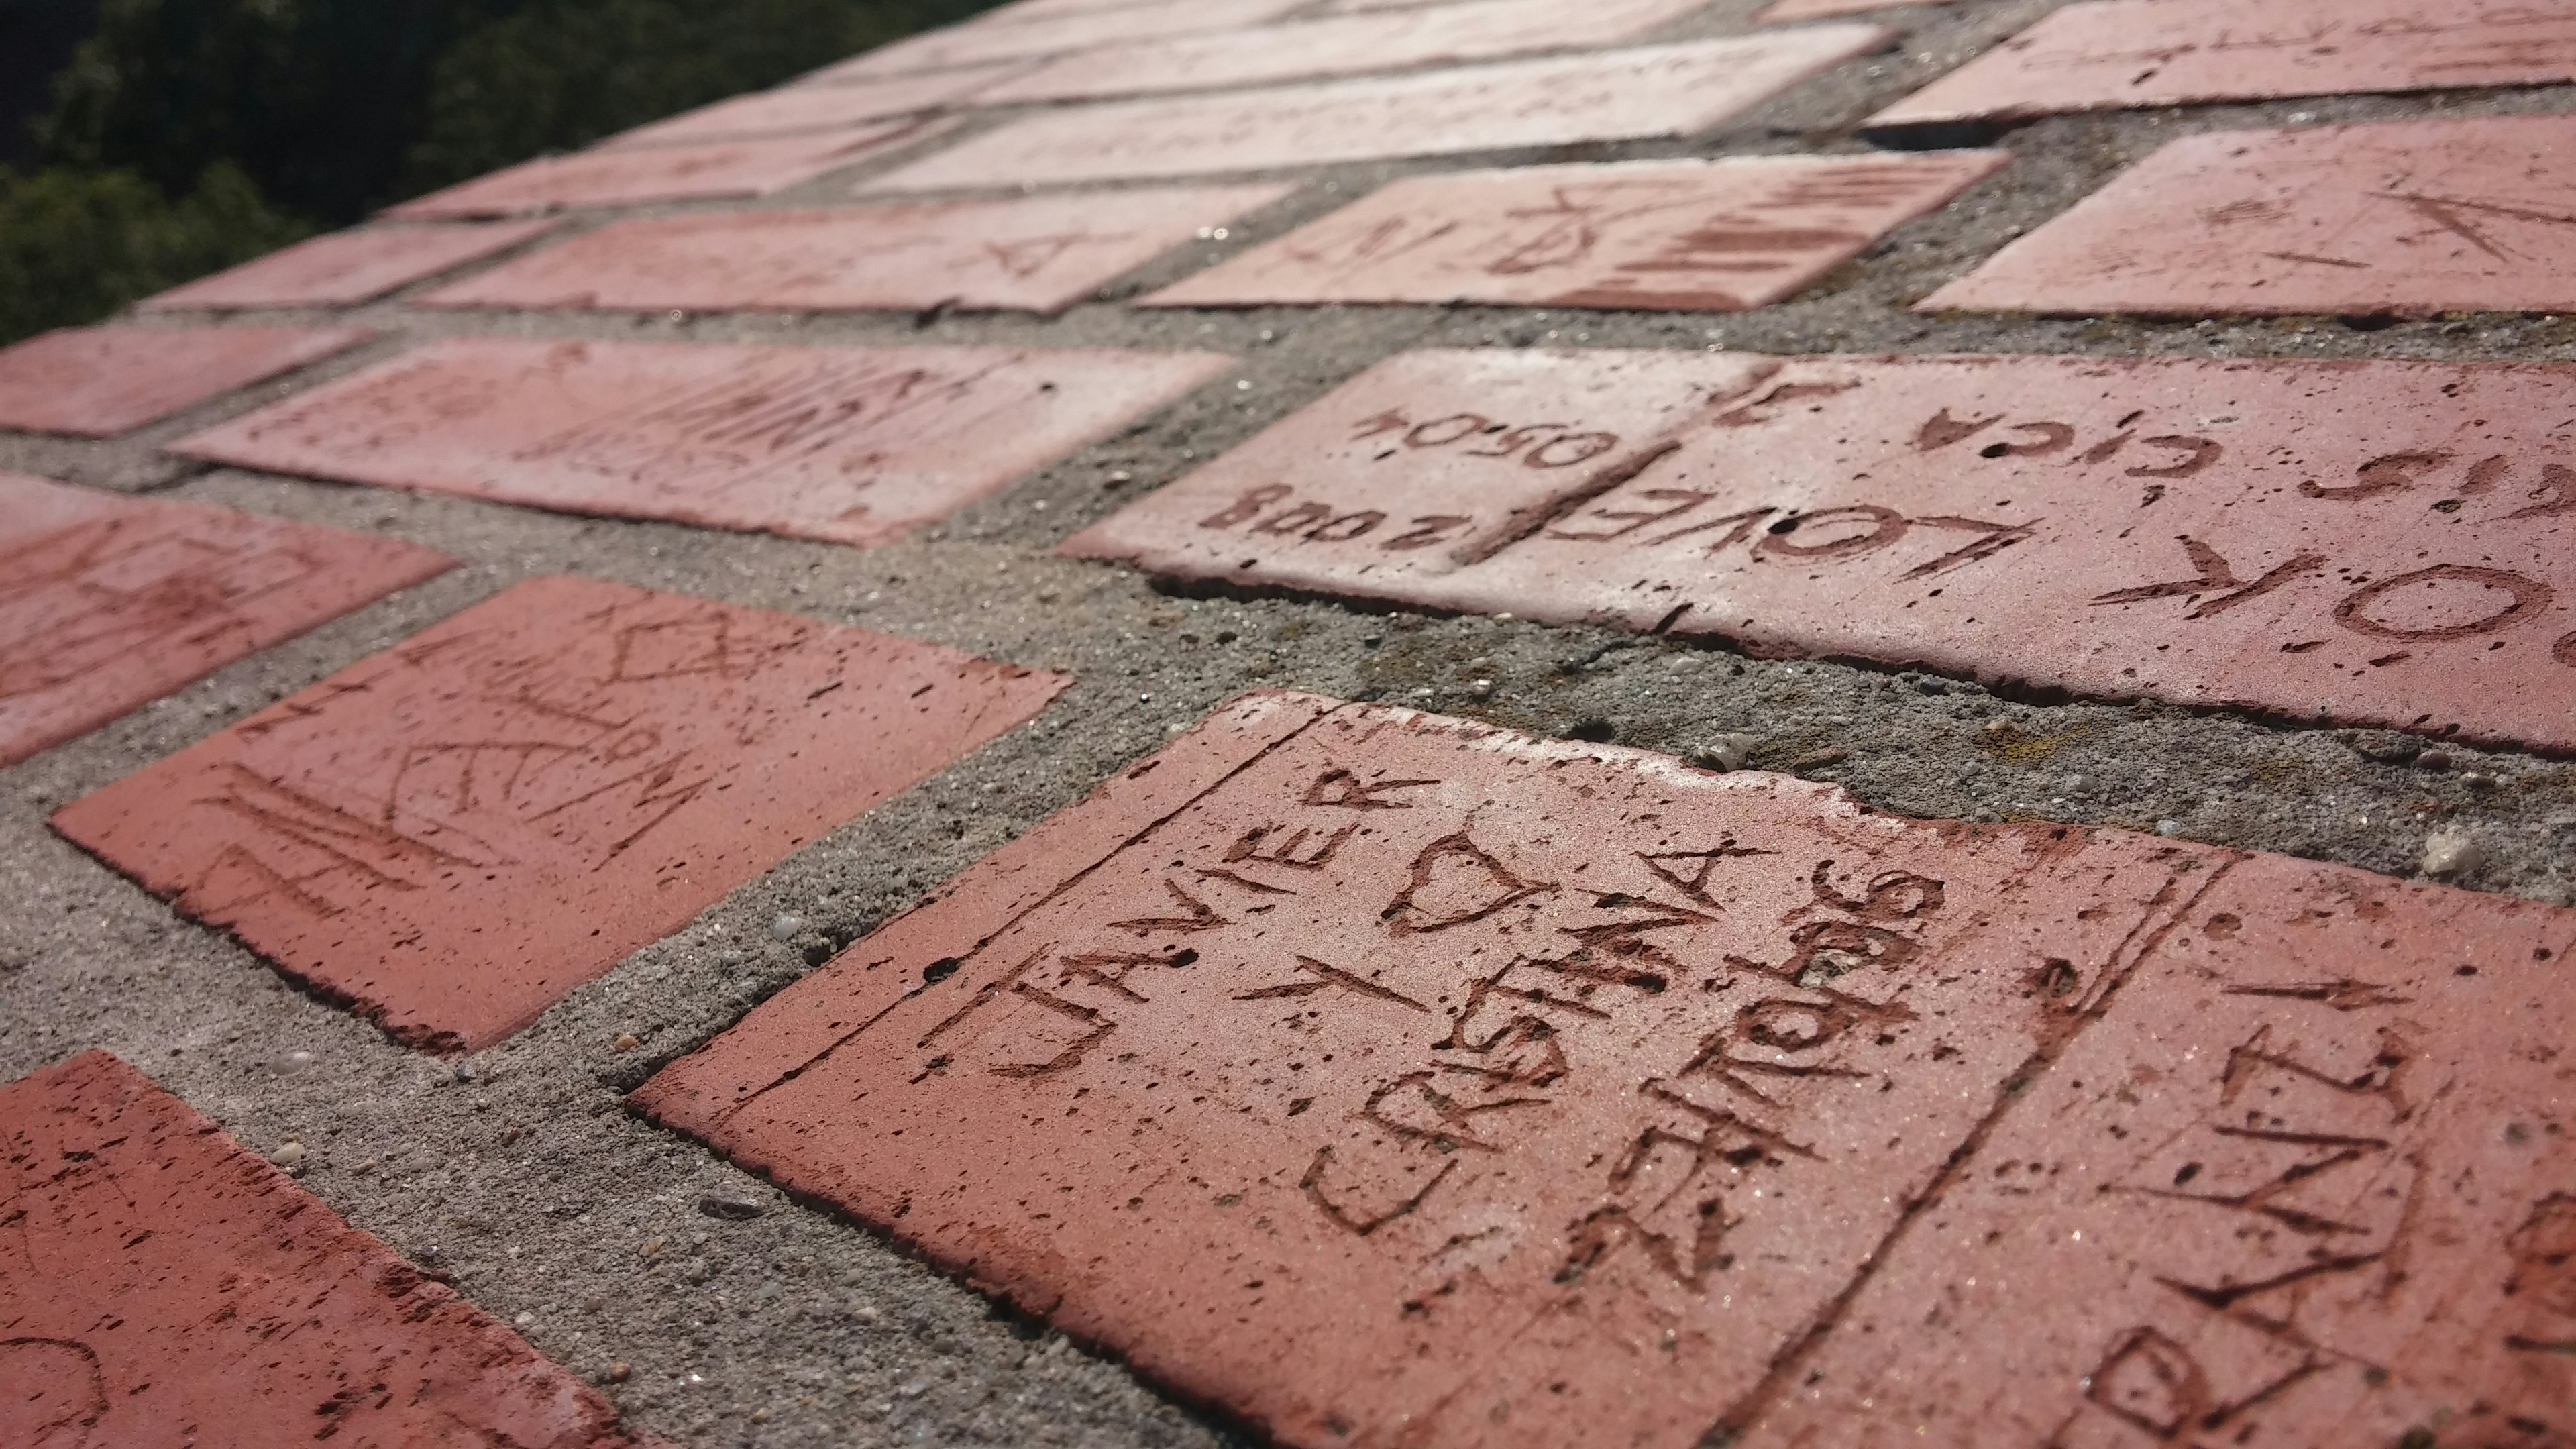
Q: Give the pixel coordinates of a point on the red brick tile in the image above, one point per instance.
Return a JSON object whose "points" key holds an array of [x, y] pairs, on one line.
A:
{"points": [[1342, 45], [627, 175], [2112, 54], [2362, 542], [108, 602], [1041, 253], [1029, 36], [1676, 235], [1416, 1083], [820, 105], [1819, 9], [350, 266], [2409, 217], [711, 435], [453, 834], [1418, 467], [160, 1285], [2308, 1184], [1667, 90], [96, 382]]}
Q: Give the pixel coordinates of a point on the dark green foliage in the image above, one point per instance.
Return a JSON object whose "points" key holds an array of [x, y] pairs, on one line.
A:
{"points": [[266, 117], [563, 74], [77, 245]]}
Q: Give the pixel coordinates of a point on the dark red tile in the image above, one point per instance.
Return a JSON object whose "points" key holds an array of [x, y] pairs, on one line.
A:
{"points": [[455, 833], [96, 382], [1392, 1080], [107, 603], [2407, 217], [160, 1285], [2307, 1183], [848, 444]]}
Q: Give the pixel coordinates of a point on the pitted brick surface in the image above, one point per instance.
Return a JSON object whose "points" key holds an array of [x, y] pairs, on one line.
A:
{"points": [[1039, 253], [108, 602], [2121, 53], [1418, 1083], [1722, 235], [2375, 543], [350, 266], [1341, 45], [2309, 1183], [852, 444], [161, 1285], [628, 175], [1667, 90], [2403, 217], [455, 833], [96, 382]]}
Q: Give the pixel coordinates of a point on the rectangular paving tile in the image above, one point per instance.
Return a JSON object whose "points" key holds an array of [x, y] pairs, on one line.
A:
{"points": [[1418, 467], [1675, 235], [1666, 90], [2113, 54], [1040, 253], [1340, 45], [812, 107], [107, 602], [2406, 217], [1395, 1080], [348, 267], [453, 834], [2379, 543], [851, 445], [1031, 36], [629, 175], [162, 1285], [1821, 9], [2307, 1184], [96, 382]]}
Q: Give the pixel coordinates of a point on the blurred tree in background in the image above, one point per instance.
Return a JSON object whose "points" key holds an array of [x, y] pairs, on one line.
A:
{"points": [[186, 135]]}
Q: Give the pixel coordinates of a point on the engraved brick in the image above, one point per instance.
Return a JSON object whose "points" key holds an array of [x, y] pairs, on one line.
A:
{"points": [[1029, 36], [826, 106], [1397, 1080], [628, 175], [1339, 45], [349, 267], [1418, 467], [1667, 90], [96, 382], [1042, 253], [851, 445], [1820, 9], [2307, 1184], [1675, 235], [108, 602], [2364, 542], [2114, 54], [2407, 217], [161, 1285], [455, 833]]}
